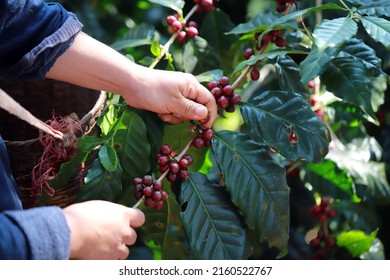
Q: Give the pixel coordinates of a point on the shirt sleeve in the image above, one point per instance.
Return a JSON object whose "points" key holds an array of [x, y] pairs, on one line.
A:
{"points": [[45, 230], [13, 243], [33, 34]]}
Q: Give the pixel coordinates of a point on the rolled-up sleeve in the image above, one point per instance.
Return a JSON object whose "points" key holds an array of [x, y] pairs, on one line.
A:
{"points": [[33, 34]]}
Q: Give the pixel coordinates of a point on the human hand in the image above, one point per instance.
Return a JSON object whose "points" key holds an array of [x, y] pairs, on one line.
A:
{"points": [[175, 96], [101, 229]]}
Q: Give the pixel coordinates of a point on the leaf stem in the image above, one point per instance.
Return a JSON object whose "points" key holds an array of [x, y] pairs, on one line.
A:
{"points": [[345, 5]]}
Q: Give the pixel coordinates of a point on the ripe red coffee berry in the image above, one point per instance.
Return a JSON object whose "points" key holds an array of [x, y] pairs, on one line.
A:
{"points": [[248, 53], [198, 142], [174, 167], [216, 92], [224, 81], [165, 150], [171, 19], [156, 196], [176, 25], [255, 74], [163, 160], [171, 177], [280, 42], [137, 181], [184, 174], [157, 186], [207, 3], [212, 84], [148, 191], [223, 101], [147, 180], [192, 32], [181, 36], [208, 134], [192, 24], [189, 158], [234, 99], [183, 163], [228, 90]]}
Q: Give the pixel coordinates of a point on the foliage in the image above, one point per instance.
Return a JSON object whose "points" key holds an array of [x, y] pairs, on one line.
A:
{"points": [[303, 128]]}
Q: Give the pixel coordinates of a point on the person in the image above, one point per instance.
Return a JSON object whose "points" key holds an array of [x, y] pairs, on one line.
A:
{"points": [[42, 40]]}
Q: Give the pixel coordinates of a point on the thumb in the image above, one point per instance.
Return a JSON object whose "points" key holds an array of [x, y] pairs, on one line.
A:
{"points": [[194, 111]]}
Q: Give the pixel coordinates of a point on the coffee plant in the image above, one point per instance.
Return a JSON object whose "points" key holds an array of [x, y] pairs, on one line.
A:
{"points": [[290, 168]]}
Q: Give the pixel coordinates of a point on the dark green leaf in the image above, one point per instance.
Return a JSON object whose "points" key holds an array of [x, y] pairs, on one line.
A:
{"points": [[257, 24], [270, 55], [100, 183], [212, 75], [329, 181], [176, 5], [348, 79], [132, 146], [276, 114], [355, 158], [88, 143], [108, 158], [257, 185], [214, 226], [164, 228], [138, 36], [378, 29], [358, 49], [356, 241], [289, 74], [315, 63], [375, 8], [333, 33]]}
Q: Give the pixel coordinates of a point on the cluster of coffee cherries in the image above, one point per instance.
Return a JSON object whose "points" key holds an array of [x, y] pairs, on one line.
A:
{"points": [[177, 168], [203, 138], [271, 37], [205, 5], [151, 190], [255, 73], [281, 5], [183, 30], [323, 211], [224, 94], [323, 242]]}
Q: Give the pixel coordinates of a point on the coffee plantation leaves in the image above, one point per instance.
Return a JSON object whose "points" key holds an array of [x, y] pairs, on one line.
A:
{"points": [[176, 5], [143, 34], [214, 226], [356, 241], [289, 74], [378, 28], [108, 158], [100, 183], [275, 114], [375, 7], [333, 33], [132, 146], [257, 185], [348, 79]]}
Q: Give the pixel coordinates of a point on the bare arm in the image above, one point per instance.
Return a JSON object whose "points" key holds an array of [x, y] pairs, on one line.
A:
{"points": [[175, 96]]}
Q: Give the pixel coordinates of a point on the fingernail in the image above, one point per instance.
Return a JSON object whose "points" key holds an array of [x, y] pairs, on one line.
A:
{"points": [[200, 111]]}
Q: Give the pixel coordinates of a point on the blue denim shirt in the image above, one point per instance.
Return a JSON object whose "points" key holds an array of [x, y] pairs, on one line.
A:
{"points": [[33, 34]]}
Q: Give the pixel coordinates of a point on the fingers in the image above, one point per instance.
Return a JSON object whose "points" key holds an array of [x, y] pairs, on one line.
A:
{"points": [[137, 217], [123, 252]]}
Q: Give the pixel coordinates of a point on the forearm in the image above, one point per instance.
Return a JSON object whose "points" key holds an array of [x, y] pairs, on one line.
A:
{"points": [[92, 64]]}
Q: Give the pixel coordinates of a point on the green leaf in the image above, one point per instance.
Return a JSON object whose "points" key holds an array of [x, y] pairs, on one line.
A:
{"points": [[333, 33], [356, 241], [108, 158], [270, 55], [315, 63], [165, 229], [359, 50], [347, 78], [88, 143], [257, 185], [176, 5], [289, 74], [256, 24], [100, 183], [376, 252], [355, 157], [275, 114], [329, 181], [378, 29], [132, 146], [212, 75], [156, 48], [375, 8], [141, 35], [214, 227]]}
